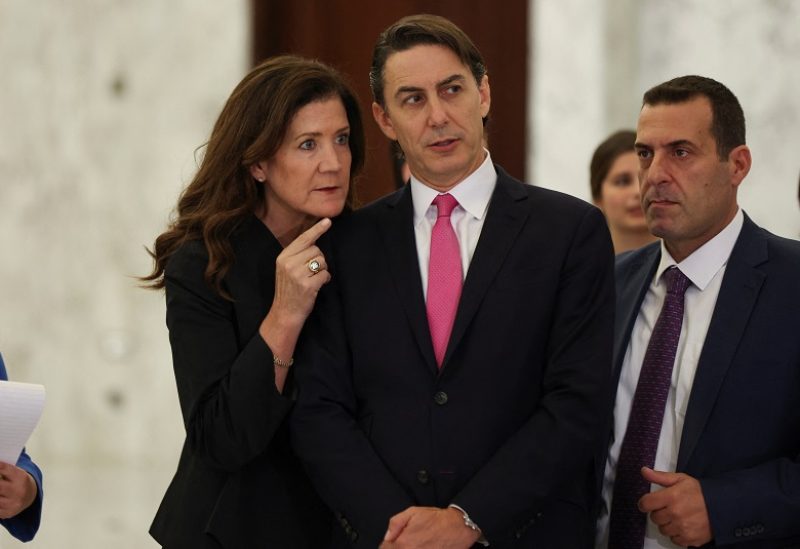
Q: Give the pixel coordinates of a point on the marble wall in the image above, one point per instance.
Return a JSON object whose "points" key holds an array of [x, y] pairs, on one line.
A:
{"points": [[102, 105], [592, 61]]}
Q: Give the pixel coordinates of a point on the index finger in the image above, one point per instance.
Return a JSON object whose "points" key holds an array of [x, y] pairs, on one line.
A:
{"points": [[310, 236], [653, 501]]}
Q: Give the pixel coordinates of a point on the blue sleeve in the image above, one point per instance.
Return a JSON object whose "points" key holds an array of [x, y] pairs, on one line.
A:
{"points": [[25, 525], [760, 503]]}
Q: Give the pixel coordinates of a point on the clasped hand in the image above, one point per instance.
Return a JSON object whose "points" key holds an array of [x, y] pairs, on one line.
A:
{"points": [[679, 509], [421, 527]]}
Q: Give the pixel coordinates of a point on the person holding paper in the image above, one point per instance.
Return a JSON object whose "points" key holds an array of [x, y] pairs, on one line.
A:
{"points": [[20, 492]]}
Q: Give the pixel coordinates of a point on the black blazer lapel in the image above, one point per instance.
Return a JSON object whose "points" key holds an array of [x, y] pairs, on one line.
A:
{"points": [[397, 231], [737, 297], [504, 220]]}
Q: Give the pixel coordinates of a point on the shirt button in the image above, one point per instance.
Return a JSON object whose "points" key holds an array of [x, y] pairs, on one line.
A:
{"points": [[440, 398], [423, 477]]}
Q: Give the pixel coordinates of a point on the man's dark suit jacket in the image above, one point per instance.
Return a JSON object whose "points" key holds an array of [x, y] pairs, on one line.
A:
{"points": [[25, 525], [741, 434], [508, 427], [238, 484]]}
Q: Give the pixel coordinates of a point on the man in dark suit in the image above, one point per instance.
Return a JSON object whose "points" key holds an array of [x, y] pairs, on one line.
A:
{"points": [[455, 402], [20, 492], [707, 434]]}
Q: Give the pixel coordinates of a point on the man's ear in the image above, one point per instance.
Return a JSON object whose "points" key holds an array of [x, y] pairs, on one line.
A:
{"points": [[486, 96], [739, 161], [384, 121]]}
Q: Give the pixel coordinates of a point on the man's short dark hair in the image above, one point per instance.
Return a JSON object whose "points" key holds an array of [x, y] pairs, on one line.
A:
{"points": [[415, 30], [727, 117]]}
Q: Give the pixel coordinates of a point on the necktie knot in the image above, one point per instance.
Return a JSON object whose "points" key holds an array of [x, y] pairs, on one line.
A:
{"points": [[444, 204], [677, 282]]}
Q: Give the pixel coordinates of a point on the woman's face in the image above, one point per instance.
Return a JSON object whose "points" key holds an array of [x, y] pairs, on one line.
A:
{"points": [[619, 195], [309, 176]]}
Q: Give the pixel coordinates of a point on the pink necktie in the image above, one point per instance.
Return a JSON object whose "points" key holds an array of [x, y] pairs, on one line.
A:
{"points": [[444, 277]]}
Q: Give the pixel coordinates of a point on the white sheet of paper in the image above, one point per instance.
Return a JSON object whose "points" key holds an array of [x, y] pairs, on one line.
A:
{"points": [[21, 407]]}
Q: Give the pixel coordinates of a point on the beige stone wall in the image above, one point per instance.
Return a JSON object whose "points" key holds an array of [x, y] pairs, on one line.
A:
{"points": [[102, 104]]}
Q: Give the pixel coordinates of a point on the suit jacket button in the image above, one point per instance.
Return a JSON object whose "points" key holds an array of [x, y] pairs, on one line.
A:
{"points": [[440, 398], [423, 477]]}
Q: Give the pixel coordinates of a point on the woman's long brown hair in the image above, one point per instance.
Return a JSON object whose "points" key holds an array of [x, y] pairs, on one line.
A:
{"points": [[250, 128]]}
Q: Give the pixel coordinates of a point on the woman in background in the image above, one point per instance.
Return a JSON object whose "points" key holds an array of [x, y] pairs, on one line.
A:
{"points": [[241, 269], [613, 177]]}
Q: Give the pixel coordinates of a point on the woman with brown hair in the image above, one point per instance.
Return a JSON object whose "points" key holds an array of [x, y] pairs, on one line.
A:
{"points": [[614, 180], [241, 268]]}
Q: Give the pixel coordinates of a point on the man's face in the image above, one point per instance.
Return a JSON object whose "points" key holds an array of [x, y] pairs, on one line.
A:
{"points": [[688, 193], [434, 109]]}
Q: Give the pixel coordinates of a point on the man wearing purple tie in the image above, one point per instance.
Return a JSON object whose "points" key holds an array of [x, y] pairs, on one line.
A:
{"points": [[706, 431], [461, 355]]}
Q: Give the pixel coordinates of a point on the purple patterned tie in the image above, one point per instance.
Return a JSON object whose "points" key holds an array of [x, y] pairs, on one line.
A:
{"points": [[444, 276], [627, 523]]}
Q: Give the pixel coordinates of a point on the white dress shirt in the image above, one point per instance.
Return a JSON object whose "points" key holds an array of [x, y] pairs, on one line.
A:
{"points": [[473, 195], [705, 268]]}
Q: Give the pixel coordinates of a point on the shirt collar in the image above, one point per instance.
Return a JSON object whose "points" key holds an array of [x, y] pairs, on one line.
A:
{"points": [[473, 193], [702, 264]]}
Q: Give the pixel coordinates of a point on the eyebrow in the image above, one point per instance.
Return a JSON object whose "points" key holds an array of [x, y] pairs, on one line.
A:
{"points": [[671, 144], [317, 134], [450, 80], [414, 89]]}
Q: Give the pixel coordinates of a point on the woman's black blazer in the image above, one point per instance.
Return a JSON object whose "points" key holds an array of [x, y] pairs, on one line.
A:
{"points": [[238, 484]]}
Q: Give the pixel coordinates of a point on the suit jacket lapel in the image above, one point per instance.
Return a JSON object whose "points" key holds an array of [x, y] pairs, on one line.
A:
{"points": [[632, 285], [741, 285], [504, 219], [632, 282], [397, 231]]}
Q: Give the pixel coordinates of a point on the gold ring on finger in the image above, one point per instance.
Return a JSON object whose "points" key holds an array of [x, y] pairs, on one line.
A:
{"points": [[314, 266]]}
